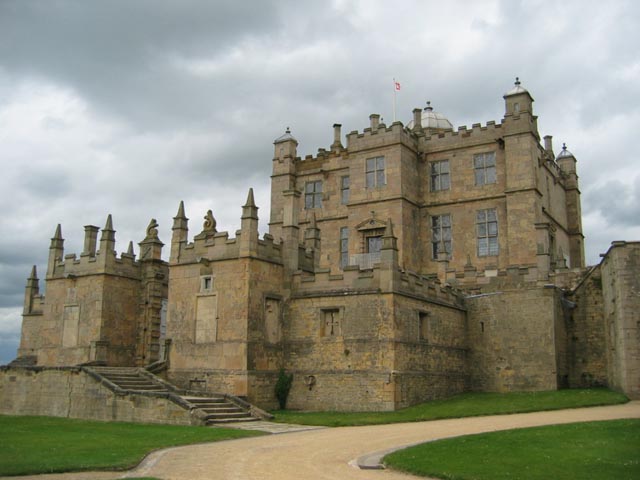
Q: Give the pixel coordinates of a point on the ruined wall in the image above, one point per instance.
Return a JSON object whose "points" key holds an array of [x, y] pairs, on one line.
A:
{"points": [[512, 340], [586, 334], [621, 296], [71, 393]]}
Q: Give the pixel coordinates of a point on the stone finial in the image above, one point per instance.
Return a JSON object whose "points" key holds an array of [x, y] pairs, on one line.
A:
{"points": [[152, 229], [209, 224], [180, 213], [428, 108], [130, 249], [389, 241], [250, 200], [34, 273], [517, 82], [109, 224], [58, 233]]}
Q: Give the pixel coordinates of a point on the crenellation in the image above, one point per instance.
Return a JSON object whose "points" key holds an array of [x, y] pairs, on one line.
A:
{"points": [[418, 261]]}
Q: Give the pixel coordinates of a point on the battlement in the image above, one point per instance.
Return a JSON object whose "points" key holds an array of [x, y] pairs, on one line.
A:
{"points": [[379, 135], [210, 245], [104, 260], [353, 279]]}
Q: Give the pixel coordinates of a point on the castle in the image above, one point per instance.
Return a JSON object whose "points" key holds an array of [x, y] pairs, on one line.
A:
{"points": [[416, 262]]}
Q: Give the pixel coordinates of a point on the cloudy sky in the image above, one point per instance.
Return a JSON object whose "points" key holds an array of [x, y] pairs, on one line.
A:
{"points": [[127, 107]]}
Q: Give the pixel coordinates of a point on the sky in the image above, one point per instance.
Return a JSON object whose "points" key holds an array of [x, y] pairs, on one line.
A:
{"points": [[127, 107]]}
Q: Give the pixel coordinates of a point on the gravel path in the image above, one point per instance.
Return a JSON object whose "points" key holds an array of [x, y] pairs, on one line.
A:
{"points": [[331, 453]]}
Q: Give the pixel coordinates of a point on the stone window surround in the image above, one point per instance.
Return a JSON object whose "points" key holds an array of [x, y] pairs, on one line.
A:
{"points": [[487, 232], [375, 172], [484, 168], [313, 194], [345, 191], [436, 238], [439, 175], [334, 314]]}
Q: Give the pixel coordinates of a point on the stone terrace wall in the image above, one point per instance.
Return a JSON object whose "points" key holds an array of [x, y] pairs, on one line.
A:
{"points": [[70, 392], [512, 340]]}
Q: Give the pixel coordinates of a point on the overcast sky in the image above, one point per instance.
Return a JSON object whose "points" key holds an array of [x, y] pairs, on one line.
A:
{"points": [[127, 107]]}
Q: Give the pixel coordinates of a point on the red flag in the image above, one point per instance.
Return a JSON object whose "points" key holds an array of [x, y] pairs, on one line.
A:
{"points": [[397, 85]]}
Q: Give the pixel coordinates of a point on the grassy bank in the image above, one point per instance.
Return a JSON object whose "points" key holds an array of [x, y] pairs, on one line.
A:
{"points": [[594, 450], [30, 445], [465, 405]]}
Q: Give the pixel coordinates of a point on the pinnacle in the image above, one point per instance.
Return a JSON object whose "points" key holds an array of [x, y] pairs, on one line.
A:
{"points": [[34, 273], [109, 224], [313, 220], [250, 200], [58, 234], [180, 213], [130, 249], [388, 230]]}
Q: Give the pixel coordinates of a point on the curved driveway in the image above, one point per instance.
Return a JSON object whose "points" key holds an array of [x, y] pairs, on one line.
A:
{"points": [[326, 454], [329, 453]]}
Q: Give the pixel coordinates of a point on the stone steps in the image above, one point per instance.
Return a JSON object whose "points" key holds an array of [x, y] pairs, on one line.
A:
{"points": [[214, 409]]}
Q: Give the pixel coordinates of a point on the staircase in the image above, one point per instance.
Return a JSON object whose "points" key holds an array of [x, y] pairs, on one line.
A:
{"points": [[214, 409], [219, 410]]}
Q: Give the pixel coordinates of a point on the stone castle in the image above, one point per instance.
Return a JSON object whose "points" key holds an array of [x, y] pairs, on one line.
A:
{"points": [[416, 262]]}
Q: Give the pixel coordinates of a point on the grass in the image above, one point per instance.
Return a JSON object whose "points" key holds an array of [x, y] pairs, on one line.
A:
{"points": [[465, 405], [31, 445], [594, 450]]}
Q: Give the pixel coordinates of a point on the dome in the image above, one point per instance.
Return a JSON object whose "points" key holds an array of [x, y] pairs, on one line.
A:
{"points": [[517, 89], [286, 137], [431, 119], [564, 153]]}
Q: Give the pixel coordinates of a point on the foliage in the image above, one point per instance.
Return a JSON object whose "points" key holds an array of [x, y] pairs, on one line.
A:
{"points": [[283, 386], [30, 445], [594, 450], [465, 405]]}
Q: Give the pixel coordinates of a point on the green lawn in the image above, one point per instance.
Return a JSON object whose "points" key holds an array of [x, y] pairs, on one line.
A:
{"points": [[30, 445], [594, 451], [465, 405]]}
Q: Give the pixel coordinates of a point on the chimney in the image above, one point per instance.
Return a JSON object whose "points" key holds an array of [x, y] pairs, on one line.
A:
{"points": [[417, 120], [374, 118], [548, 143], [90, 240], [337, 145]]}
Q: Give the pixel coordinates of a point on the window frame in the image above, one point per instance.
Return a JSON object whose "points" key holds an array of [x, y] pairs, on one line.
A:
{"points": [[487, 231], [344, 247], [375, 174], [436, 238], [313, 195], [437, 177], [484, 168], [345, 189]]}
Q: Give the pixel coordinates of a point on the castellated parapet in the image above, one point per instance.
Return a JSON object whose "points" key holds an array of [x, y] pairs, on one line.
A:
{"points": [[99, 308], [409, 263]]}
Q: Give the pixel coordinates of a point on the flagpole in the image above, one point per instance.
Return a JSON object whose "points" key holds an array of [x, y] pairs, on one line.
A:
{"points": [[394, 100]]}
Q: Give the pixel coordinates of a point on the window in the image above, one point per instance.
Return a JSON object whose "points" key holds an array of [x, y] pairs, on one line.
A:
{"points": [[375, 172], [331, 323], [206, 283], [423, 325], [313, 194], [344, 247], [440, 175], [487, 232], [484, 165], [344, 189], [440, 235], [374, 244]]}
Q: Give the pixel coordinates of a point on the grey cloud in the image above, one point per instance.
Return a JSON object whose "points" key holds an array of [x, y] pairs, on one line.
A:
{"points": [[617, 203]]}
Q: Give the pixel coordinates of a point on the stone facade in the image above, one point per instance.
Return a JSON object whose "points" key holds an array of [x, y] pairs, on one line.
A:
{"points": [[413, 263]]}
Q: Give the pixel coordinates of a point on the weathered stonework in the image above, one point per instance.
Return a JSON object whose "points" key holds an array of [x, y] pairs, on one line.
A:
{"points": [[413, 263]]}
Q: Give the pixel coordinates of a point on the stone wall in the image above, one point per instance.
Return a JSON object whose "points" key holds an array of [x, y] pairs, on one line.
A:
{"points": [[70, 392], [621, 295], [586, 334], [512, 340]]}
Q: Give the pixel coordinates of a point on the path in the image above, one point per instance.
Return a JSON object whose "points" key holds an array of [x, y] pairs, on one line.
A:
{"points": [[326, 454]]}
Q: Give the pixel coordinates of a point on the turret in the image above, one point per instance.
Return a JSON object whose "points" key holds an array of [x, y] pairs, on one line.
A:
{"points": [[249, 227], [518, 100], [567, 163], [56, 251], [285, 147], [31, 290], [180, 233], [283, 179]]}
